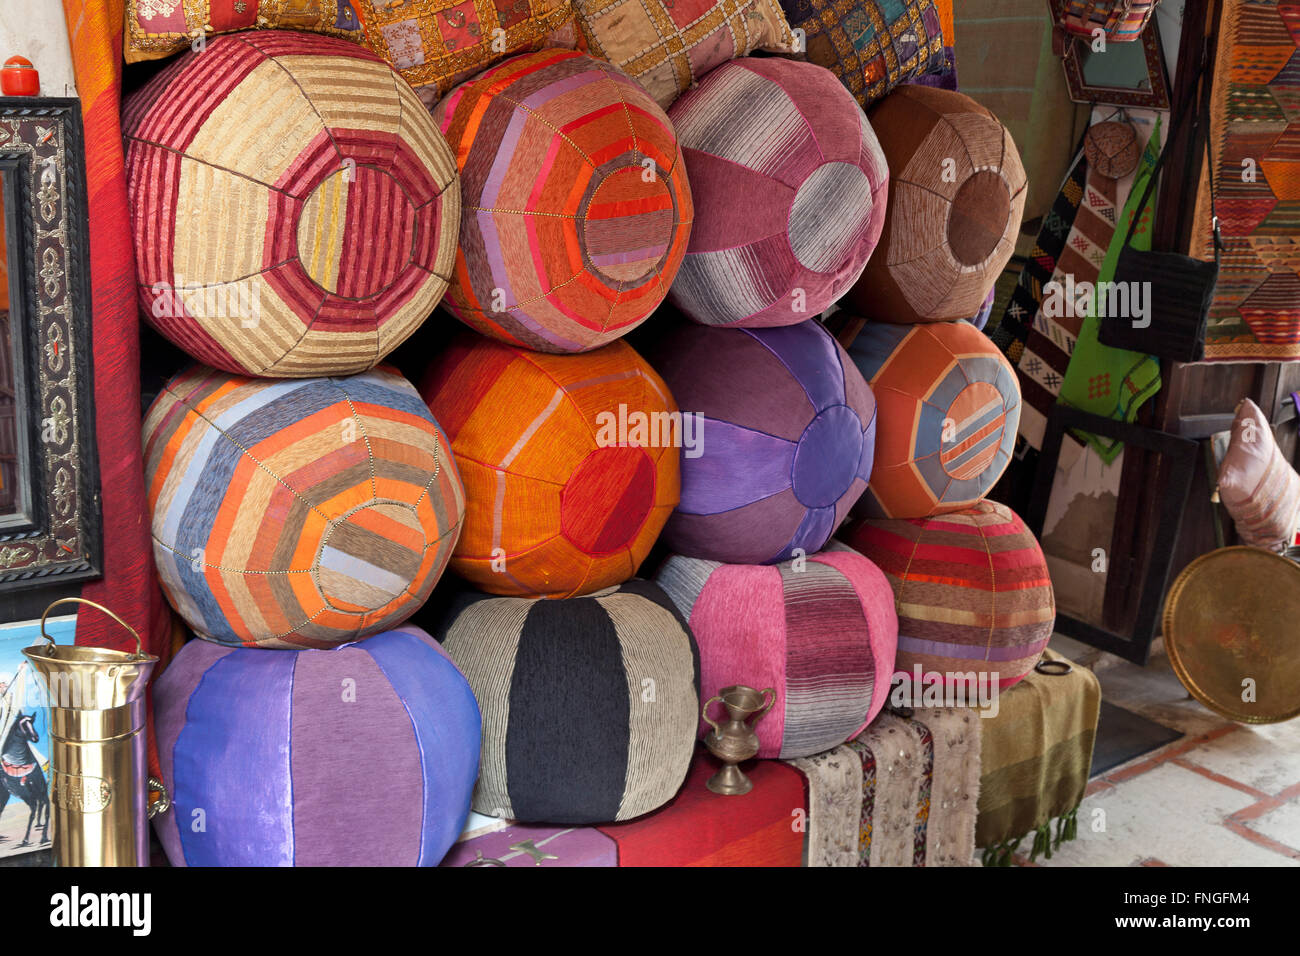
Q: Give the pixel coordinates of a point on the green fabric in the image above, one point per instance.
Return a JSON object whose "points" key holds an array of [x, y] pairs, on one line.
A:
{"points": [[1138, 374]]}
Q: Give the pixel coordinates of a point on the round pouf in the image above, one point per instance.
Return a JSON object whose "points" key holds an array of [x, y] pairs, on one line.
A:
{"points": [[294, 208], [956, 194], [570, 463], [949, 409], [821, 631], [787, 428], [363, 755], [790, 186], [589, 704], [972, 591], [298, 513], [577, 205]]}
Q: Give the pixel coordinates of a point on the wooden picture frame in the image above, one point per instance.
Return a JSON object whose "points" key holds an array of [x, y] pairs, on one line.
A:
{"points": [[1181, 456], [1155, 97], [52, 534]]}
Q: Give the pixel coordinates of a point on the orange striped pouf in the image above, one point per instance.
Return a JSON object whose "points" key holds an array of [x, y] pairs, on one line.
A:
{"points": [[571, 463], [971, 588], [948, 405]]}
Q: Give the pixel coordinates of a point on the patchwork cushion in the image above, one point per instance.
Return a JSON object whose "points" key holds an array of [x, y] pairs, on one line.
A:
{"points": [[669, 45], [787, 432], [956, 194], [1257, 485], [578, 209], [971, 588], [159, 28], [569, 463], [589, 704], [821, 631], [298, 514], [871, 45], [361, 755], [949, 409], [294, 209], [790, 185], [435, 44]]}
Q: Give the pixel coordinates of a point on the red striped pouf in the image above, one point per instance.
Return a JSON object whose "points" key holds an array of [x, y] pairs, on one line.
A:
{"points": [[971, 588]]}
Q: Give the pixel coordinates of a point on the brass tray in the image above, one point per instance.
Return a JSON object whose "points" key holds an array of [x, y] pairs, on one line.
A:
{"points": [[1231, 615]]}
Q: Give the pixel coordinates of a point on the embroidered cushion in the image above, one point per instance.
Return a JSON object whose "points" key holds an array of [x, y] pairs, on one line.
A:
{"points": [[787, 431], [159, 28], [589, 704], [569, 463], [360, 755], [577, 205], [820, 630], [789, 184], [871, 45], [956, 194], [949, 409], [1257, 485], [669, 45], [298, 513], [294, 208], [971, 588]]}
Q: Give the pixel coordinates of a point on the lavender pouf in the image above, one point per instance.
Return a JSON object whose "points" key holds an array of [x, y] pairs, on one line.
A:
{"points": [[359, 755], [786, 439]]}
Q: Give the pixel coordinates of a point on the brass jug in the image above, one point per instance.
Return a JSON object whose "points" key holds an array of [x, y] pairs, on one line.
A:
{"points": [[97, 759], [735, 741]]}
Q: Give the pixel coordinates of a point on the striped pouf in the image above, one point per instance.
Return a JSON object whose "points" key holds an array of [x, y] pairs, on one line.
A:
{"points": [[790, 186], [298, 513], [570, 463], [949, 408], [589, 704], [362, 755], [787, 431], [956, 195], [972, 591], [577, 208], [820, 631], [294, 207]]}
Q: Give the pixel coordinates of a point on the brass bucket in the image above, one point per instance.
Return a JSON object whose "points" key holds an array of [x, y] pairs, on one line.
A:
{"points": [[97, 761]]}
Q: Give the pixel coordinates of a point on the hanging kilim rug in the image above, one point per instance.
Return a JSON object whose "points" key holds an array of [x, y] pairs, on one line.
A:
{"points": [[1255, 142]]}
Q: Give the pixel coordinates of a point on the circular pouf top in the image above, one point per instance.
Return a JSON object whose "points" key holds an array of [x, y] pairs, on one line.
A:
{"points": [[787, 429], [298, 513], [570, 463], [790, 186], [949, 409], [294, 208], [821, 631], [577, 208], [589, 704], [972, 591], [362, 755], [956, 194]]}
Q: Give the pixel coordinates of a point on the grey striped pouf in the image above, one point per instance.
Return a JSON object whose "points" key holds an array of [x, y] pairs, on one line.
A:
{"points": [[589, 704]]}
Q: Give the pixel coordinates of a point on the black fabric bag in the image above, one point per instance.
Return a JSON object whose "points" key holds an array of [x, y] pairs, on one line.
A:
{"points": [[1181, 288]]}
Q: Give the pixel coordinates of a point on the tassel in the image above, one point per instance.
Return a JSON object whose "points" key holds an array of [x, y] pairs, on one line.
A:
{"points": [[1072, 824]]}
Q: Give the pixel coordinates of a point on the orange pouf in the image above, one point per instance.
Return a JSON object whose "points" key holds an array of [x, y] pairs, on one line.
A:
{"points": [[570, 463]]}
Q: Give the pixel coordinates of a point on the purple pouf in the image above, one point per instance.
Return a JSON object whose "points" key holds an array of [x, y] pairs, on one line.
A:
{"points": [[359, 755], [981, 318], [788, 436]]}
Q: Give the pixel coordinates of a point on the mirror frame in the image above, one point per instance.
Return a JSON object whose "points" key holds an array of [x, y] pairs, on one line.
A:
{"points": [[1156, 98], [56, 536]]}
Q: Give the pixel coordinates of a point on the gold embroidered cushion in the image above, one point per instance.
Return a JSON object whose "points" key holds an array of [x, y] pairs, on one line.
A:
{"points": [[158, 28], [668, 45], [436, 44]]}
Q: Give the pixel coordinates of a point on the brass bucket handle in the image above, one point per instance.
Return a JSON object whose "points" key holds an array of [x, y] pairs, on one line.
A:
{"points": [[139, 646]]}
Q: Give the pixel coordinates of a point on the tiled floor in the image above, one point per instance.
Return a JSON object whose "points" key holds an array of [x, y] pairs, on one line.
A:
{"points": [[1224, 795]]}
